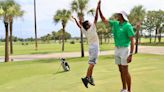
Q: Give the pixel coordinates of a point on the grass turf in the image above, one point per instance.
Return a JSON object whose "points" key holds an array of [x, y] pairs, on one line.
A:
{"points": [[50, 48], [40, 75]]}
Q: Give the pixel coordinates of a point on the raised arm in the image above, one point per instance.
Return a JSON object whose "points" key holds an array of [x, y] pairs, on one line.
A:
{"points": [[101, 15], [78, 23], [97, 9]]}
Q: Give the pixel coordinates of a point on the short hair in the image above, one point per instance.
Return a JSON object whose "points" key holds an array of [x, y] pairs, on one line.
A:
{"points": [[84, 24]]}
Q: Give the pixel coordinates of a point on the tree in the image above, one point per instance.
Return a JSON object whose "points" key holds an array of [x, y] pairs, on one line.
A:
{"points": [[13, 12], [62, 16], [148, 23], [30, 39], [48, 37], [158, 22], [9, 10], [154, 21], [5, 5], [15, 39], [67, 36], [160, 32], [1, 9], [59, 35], [136, 17], [79, 6], [43, 38], [54, 36]]}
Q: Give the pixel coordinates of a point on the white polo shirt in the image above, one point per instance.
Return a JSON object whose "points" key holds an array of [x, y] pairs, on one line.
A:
{"points": [[92, 36]]}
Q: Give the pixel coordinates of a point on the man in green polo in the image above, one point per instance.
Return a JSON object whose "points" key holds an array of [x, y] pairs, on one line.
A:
{"points": [[124, 45]]}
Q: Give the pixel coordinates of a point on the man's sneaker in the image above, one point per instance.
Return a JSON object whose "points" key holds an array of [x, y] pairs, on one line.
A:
{"points": [[85, 82], [123, 90], [91, 81]]}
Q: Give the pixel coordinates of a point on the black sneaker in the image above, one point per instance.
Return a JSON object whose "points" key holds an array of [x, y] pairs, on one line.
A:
{"points": [[91, 81], [85, 82]]}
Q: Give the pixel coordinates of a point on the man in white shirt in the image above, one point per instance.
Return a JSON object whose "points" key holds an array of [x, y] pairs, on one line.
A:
{"points": [[89, 30]]}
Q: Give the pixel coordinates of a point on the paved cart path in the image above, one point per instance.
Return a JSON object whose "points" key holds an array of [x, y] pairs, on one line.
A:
{"points": [[142, 49]]}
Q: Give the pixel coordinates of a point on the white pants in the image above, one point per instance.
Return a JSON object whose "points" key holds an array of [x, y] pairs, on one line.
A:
{"points": [[121, 55]]}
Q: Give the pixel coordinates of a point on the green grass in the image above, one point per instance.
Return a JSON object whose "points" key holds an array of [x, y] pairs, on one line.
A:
{"points": [[152, 44], [146, 42], [50, 48], [40, 75]]}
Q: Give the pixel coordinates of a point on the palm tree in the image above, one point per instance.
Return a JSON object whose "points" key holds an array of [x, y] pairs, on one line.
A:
{"points": [[13, 11], [5, 5], [79, 6], [137, 15], [62, 16]]}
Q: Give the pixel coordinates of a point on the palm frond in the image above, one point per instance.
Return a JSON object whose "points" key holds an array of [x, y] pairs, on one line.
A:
{"points": [[137, 14], [74, 6], [11, 9], [83, 4], [92, 12], [62, 15], [1, 11]]}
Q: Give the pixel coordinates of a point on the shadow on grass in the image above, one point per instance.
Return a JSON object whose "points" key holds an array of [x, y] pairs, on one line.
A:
{"points": [[60, 72], [77, 59], [47, 61], [152, 44], [107, 57], [41, 53]]}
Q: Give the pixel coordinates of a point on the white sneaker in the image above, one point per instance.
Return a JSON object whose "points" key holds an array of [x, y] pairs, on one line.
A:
{"points": [[123, 90]]}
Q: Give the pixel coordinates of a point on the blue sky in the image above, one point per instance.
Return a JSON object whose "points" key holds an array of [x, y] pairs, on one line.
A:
{"points": [[24, 27]]}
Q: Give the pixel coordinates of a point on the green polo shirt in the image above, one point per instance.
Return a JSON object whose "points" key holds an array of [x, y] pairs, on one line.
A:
{"points": [[122, 33]]}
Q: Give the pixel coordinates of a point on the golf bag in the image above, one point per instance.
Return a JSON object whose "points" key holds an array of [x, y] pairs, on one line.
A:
{"points": [[65, 65]]}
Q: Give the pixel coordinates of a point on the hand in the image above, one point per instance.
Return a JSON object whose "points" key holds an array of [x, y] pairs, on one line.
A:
{"points": [[138, 25], [99, 2], [81, 18], [73, 17], [129, 59]]}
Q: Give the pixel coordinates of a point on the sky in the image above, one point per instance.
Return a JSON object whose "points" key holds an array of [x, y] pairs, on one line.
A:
{"points": [[24, 27]]}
